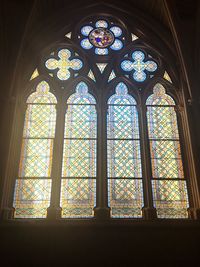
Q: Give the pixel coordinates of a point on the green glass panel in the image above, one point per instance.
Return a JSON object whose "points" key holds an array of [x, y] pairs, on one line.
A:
{"points": [[42, 95], [79, 155]]}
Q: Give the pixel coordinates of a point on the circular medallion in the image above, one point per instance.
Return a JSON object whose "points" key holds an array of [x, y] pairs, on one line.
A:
{"points": [[101, 37]]}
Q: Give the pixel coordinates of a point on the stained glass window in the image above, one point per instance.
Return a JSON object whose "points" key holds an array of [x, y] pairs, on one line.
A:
{"points": [[95, 58], [78, 188], [138, 66], [34, 75], [101, 66], [125, 193], [168, 182], [33, 185], [111, 76], [64, 64], [91, 75], [102, 36], [167, 77]]}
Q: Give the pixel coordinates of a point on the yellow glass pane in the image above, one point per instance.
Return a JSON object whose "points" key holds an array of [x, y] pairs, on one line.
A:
{"points": [[78, 198], [32, 198], [36, 158]]}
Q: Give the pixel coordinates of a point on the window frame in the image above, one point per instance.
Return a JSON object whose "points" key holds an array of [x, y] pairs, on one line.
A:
{"points": [[172, 89]]}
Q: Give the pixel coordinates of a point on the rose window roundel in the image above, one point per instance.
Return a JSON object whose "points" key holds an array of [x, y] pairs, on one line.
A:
{"points": [[102, 37]]}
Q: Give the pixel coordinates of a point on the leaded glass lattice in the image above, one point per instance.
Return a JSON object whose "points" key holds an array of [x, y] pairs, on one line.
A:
{"points": [[32, 196], [79, 155], [168, 184], [170, 198], [123, 155], [78, 198]]}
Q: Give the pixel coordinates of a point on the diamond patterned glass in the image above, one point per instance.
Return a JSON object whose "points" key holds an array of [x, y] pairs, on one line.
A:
{"points": [[123, 155], [79, 155], [32, 198], [78, 198], [40, 121], [36, 155], [170, 198], [166, 159], [36, 158], [168, 184], [125, 198]]}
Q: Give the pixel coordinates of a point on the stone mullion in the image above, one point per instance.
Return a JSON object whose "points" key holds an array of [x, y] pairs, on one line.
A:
{"points": [[149, 212], [102, 211], [54, 211]]}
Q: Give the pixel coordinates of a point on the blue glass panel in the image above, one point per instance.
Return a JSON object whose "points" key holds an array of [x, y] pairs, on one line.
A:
{"points": [[117, 45], [101, 24], [138, 55], [127, 65], [101, 51], [85, 43], [86, 30], [81, 96], [116, 30], [139, 76]]}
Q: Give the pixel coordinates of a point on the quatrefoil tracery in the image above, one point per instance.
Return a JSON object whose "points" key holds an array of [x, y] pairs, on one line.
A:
{"points": [[139, 66], [64, 64]]}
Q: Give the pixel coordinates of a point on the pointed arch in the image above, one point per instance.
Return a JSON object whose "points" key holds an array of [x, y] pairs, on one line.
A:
{"points": [[125, 195], [78, 187], [168, 183], [33, 185]]}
